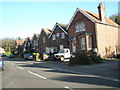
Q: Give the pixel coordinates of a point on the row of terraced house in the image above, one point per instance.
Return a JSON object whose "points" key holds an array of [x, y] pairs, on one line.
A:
{"points": [[86, 31]]}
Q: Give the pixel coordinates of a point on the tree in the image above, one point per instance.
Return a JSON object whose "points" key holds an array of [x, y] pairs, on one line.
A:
{"points": [[115, 18], [19, 38], [7, 42]]}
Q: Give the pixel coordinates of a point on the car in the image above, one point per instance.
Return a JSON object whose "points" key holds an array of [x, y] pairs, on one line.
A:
{"points": [[2, 55], [28, 56], [11, 56], [1, 63]]}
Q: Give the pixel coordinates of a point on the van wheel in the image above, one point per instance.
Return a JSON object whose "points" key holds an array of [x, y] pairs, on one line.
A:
{"points": [[62, 59]]}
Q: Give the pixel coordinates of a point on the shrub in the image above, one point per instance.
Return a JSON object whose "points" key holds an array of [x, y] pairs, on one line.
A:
{"points": [[84, 58], [96, 59], [81, 58]]}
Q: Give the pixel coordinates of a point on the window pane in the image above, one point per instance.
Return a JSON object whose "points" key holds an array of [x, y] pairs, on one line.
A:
{"points": [[53, 37], [80, 26], [82, 43], [90, 42], [62, 35]]}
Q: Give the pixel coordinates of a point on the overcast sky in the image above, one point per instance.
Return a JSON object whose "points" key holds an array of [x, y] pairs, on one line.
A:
{"points": [[23, 19]]}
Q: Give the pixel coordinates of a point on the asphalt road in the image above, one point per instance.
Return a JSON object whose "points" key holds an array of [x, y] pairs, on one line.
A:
{"points": [[21, 74]]}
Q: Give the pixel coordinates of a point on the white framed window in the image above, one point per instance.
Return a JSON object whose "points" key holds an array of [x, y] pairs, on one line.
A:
{"points": [[82, 43], [80, 26], [35, 42], [61, 47], [53, 37], [57, 34], [62, 35], [28, 44], [74, 45], [44, 40], [90, 42]]}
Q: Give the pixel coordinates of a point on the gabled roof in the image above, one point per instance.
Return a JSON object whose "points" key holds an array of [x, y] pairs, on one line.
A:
{"points": [[61, 26], [37, 35], [30, 38], [19, 42], [46, 30], [93, 17]]}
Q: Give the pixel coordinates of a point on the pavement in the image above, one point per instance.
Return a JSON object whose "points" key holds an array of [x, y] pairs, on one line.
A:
{"points": [[107, 70]]}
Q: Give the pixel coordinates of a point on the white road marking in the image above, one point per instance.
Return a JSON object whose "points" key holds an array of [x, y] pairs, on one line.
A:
{"points": [[8, 61], [12, 64], [19, 67], [37, 75], [68, 88]]}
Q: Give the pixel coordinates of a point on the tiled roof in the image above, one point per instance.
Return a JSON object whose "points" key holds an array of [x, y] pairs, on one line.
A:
{"points": [[64, 26], [30, 38], [36, 35], [95, 17], [19, 42], [47, 31]]}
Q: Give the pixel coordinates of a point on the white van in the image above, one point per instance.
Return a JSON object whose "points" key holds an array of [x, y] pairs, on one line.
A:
{"points": [[63, 54]]}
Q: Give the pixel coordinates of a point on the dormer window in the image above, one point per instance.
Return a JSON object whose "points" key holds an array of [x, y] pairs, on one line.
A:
{"points": [[80, 26]]}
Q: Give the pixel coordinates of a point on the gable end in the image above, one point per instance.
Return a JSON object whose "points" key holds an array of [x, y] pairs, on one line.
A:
{"points": [[78, 10]]}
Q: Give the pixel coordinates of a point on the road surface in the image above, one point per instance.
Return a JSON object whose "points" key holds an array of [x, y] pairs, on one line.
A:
{"points": [[23, 74]]}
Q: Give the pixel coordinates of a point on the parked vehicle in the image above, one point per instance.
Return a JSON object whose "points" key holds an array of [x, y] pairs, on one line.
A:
{"points": [[1, 63], [11, 56], [28, 56], [3, 55], [63, 55]]}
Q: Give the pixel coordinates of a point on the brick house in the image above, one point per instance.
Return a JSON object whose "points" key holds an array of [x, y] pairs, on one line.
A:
{"points": [[27, 45], [18, 47], [34, 43], [93, 32], [43, 41], [59, 37]]}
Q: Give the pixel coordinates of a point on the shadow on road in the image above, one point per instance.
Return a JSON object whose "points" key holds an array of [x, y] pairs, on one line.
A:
{"points": [[82, 79], [68, 77], [75, 79]]}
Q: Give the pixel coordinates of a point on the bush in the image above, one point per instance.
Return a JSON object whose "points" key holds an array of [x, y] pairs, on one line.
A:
{"points": [[96, 59], [83, 58]]}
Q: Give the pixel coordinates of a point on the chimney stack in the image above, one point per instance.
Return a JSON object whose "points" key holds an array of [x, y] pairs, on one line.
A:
{"points": [[101, 12]]}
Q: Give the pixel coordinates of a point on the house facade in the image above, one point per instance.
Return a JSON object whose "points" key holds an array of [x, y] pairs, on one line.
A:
{"points": [[34, 43], [43, 41], [58, 38], [27, 45], [18, 47], [88, 31]]}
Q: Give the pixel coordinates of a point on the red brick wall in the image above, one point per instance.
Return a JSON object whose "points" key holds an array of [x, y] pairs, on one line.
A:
{"points": [[90, 27]]}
